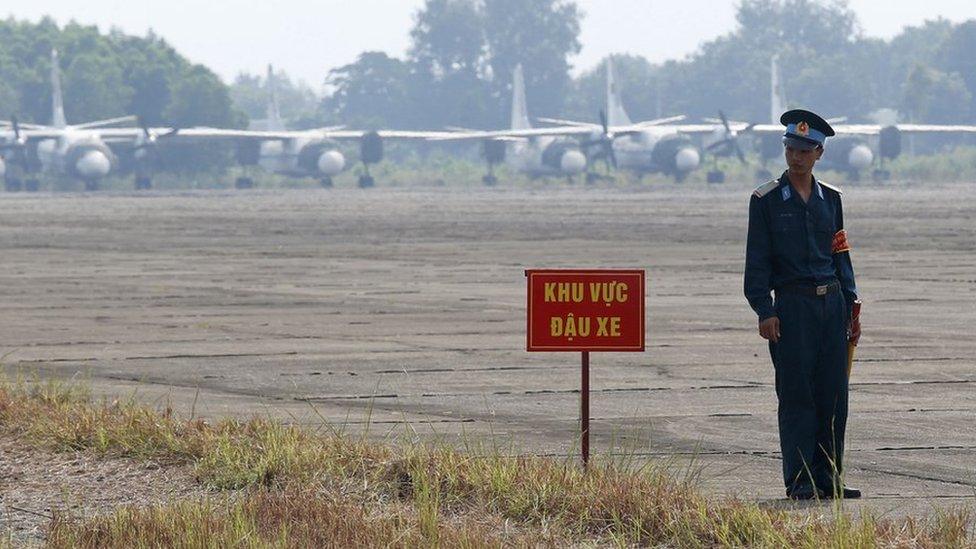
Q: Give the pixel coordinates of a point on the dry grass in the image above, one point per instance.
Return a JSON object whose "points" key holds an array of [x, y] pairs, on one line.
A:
{"points": [[283, 518], [296, 488]]}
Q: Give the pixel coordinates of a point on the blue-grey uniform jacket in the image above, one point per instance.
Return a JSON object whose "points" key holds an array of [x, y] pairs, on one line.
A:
{"points": [[790, 243]]}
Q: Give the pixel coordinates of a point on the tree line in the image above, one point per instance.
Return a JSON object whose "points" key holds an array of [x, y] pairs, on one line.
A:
{"points": [[107, 75], [457, 71]]}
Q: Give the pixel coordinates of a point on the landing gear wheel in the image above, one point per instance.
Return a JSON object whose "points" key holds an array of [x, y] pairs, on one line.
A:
{"points": [[91, 185], [326, 182], [489, 180], [715, 176], [143, 183], [243, 183], [366, 181], [32, 185], [12, 185]]}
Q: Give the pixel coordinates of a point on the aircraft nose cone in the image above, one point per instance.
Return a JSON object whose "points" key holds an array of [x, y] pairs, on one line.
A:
{"points": [[93, 164], [686, 160], [860, 157], [331, 163], [572, 162]]}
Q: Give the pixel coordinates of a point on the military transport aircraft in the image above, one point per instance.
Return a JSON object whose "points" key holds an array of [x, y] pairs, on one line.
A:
{"points": [[850, 150], [537, 152], [82, 150], [302, 153], [79, 151], [651, 146]]}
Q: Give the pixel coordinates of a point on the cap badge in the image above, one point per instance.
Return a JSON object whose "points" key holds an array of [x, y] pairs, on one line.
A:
{"points": [[802, 128]]}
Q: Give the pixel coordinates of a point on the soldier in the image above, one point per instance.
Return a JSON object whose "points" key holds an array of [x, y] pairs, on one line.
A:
{"points": [[797, 248]]}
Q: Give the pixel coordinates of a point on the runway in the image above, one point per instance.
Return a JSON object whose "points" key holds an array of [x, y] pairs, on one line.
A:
{"points": [[404, 310]]}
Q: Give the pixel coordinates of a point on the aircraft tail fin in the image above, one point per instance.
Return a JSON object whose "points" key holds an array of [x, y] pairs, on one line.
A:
{"points": [[57, 102], [520, 111], [616, 115], [274, 115], [777, 96]]}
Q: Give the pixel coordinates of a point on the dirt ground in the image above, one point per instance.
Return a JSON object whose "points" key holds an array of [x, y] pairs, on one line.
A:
{"points": [[35, 484], [403, 311]]}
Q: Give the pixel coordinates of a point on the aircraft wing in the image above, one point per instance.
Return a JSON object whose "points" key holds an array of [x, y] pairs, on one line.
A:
{"points": [[124, 134], [585, 130], [223, 133], [24, 125], [557, 131], [33, 132], [680, 128], [41, 133], [935, 128], [840, 129], [706, 128], [385, 134], [322, 133], [108, 134], [875, 129], [408, 134]]}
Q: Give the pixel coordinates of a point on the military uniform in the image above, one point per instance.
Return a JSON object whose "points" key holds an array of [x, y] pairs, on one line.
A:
{"points": [[798, 250]]}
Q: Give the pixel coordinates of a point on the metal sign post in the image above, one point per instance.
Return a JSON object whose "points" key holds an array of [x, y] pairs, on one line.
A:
{"points": [[585, 409], [585, 310]]}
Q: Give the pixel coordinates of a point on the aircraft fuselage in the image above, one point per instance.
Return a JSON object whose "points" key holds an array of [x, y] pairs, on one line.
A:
{"points": [[76, 153], [546, 156], [656, 150], [847, 153], [850, 154], [303, 156]]}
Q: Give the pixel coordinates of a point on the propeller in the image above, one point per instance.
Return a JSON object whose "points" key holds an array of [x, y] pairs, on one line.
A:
{"points": [[18, 139], [144, 152], [18, 146], [150, 138], [605, 142], [730, 141]]}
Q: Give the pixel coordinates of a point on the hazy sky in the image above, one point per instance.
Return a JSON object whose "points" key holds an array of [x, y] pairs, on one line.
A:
{"points": [[308, 37]]}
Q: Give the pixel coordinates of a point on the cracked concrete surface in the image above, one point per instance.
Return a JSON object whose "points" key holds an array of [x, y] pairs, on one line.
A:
{"points": [[401, 311]]}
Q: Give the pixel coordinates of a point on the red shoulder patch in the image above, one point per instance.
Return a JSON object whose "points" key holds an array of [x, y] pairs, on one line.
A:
{"points": [[840, 244]]}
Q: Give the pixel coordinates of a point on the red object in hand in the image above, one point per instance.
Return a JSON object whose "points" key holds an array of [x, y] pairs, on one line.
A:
{"points": [[855, 331]]}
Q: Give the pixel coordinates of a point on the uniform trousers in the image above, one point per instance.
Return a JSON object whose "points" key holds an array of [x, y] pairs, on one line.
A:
{"points": [[810, 359]]}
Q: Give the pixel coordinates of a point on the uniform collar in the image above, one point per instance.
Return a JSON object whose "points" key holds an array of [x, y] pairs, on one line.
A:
{"points": [[786, 190], [784, 187]]}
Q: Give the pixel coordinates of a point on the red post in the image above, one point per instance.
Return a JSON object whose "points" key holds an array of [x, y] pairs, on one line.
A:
{"points": [[585, 409]]}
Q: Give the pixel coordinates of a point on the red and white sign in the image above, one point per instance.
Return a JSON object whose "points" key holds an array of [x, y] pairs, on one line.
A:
{"points": [[585, 310]]}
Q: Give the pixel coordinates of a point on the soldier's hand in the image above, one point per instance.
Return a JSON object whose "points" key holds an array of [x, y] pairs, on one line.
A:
{"points": [[769, 329]]}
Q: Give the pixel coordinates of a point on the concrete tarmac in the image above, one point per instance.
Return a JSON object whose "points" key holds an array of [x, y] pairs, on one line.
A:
{"points": [[404, 310]]}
